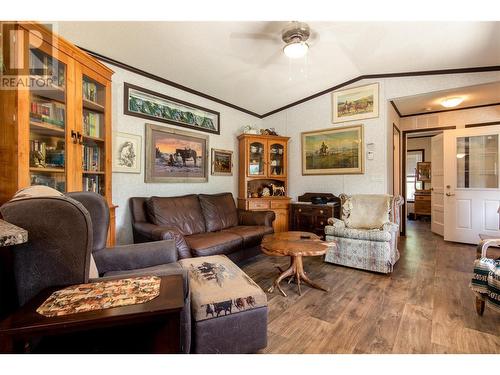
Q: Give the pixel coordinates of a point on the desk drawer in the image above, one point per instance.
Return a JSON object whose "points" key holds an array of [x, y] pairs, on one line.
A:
{"points": [[258, 205], [422, 197], [279, 204]]}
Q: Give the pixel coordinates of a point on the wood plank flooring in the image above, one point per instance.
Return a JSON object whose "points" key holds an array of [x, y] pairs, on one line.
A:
{"points": [[424, 306]]}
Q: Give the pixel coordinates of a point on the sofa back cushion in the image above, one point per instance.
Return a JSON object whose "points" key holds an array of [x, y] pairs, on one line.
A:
{"points": [[183, 213], [366, 211], [219, 211]]}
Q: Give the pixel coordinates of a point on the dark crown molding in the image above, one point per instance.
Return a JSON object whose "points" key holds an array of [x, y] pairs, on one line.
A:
{"points": [[330, 89]]}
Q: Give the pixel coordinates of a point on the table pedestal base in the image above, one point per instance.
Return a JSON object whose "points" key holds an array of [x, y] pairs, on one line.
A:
{"points": [[296, 270]]}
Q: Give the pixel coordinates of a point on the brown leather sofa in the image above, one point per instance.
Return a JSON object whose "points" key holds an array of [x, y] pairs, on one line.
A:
{"points": [[201, 224]]}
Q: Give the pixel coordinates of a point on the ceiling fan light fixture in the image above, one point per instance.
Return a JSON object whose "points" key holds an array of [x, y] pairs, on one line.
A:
{"points": [[452, 102], [296, 49]]}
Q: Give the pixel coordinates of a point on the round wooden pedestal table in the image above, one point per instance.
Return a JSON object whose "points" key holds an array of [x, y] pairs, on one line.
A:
{"points": [[295, 245]]}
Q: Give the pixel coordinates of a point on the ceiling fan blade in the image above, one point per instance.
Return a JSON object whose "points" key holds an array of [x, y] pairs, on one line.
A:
{"points": [[254, 36]]}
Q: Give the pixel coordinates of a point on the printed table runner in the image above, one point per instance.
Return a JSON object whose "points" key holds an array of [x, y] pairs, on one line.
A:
{"points": [[101, 295]]}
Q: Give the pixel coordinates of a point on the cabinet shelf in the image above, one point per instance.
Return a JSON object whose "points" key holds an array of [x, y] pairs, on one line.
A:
{"points": [[44, 128], [55, 92], [47, 170], [92, 106], [94, 172], [93, 139]]}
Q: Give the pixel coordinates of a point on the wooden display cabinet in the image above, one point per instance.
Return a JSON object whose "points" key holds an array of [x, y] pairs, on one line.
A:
{"points": [[263, 163], [56, 132]]}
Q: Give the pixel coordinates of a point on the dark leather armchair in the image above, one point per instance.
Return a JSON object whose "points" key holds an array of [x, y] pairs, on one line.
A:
{"points": [[66, 232]]}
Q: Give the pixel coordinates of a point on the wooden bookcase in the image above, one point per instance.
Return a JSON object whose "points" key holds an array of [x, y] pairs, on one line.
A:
{"points": [[56, 132], [263, 160]]}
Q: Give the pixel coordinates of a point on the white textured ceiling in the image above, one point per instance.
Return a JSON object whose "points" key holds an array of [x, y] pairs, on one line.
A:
{"points": [[476, 95], [242, 62]]}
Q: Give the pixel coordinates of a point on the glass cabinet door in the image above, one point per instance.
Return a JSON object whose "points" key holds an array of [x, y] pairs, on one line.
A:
{"points": [[47, 119], [277, 152], [93, 135], [256, 158]]}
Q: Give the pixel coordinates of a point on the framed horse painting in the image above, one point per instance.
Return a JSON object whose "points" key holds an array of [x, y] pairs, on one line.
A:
{"points": [[358, 103], [174, 155], [333, 151]]}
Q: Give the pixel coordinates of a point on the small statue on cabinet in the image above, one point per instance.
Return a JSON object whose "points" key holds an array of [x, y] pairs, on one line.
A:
{"points": [[278, 191], [266, 192]]}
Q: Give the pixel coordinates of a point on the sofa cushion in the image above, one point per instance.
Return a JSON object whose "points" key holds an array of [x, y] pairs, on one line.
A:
{"points": [[219, 288], [211, 243], [366, 211], [252, 234], [182, 212], [219, 211]]}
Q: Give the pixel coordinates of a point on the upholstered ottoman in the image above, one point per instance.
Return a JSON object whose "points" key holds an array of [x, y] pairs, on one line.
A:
{"points": [[228, 309]]}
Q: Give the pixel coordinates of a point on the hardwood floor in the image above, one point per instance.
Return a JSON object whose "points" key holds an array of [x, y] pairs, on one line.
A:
{"points": [[424, 306]]}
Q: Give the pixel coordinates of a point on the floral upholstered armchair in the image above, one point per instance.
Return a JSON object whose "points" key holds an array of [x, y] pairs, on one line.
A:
{"points": [[367, 235]]}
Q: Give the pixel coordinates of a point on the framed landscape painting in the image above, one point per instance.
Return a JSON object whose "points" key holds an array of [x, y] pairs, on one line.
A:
{"points": [[333, 151], [127, 150], [357, 103], [222, 162], [144, 103], [175, 155]]}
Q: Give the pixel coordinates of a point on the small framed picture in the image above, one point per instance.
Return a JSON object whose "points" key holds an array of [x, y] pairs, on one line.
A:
{"points": [[222, 162], [424, 171], [127, 152]]}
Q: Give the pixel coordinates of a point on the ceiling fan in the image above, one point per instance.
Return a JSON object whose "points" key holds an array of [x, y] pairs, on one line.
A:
{"points": [[296, 35]]}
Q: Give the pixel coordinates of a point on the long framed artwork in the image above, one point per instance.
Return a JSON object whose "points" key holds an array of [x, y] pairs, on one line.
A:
{"points": [[222, 162], [333, 151], [147, 104], [174, 155], [127, 151], [358, 103]]}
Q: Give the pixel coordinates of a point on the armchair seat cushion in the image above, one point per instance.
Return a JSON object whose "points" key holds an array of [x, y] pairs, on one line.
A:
{"points": [[359, 234], [251, 234], [210, 243]]}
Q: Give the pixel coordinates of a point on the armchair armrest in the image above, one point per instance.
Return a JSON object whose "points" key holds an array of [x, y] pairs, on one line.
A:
{"points": [[336, 223], [130, 257], [483, 246], [158, 233], [390, 227], [265, 218]]}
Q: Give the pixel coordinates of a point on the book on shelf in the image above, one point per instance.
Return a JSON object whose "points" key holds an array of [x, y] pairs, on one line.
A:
{"points": [[49, 112], [90, 91], [91, 160], [92, 184], [91, 124], [44, 65]]}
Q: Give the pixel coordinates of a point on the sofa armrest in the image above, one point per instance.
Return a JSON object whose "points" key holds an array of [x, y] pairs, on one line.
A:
{"points": [[265, 218], [159, 233], [336, 223], [130, 257]]}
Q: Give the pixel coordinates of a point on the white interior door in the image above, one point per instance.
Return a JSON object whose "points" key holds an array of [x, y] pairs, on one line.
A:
{"points": [[471, 179], [437, 185]]}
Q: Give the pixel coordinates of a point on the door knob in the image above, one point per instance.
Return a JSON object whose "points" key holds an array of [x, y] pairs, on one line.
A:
{"points": [[449, 194]]}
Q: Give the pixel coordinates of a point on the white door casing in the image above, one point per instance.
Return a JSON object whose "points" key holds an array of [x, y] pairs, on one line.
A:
{"points": [[471, 180], [437, 185]]}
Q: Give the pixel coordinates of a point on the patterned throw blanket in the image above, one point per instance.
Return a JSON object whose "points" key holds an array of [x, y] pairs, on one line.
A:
{"points": [[101, 295], [486, 281]]}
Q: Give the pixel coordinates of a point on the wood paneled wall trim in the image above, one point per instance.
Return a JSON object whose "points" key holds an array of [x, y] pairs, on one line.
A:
{"points": [[482, 124], [330, 89]]}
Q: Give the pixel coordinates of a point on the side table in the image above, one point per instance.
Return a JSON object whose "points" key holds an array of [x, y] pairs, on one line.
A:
{"points": [[163, 311]]}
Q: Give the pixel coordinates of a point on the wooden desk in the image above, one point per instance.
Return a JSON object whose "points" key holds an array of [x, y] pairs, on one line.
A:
{"points": [[163, 311]]}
